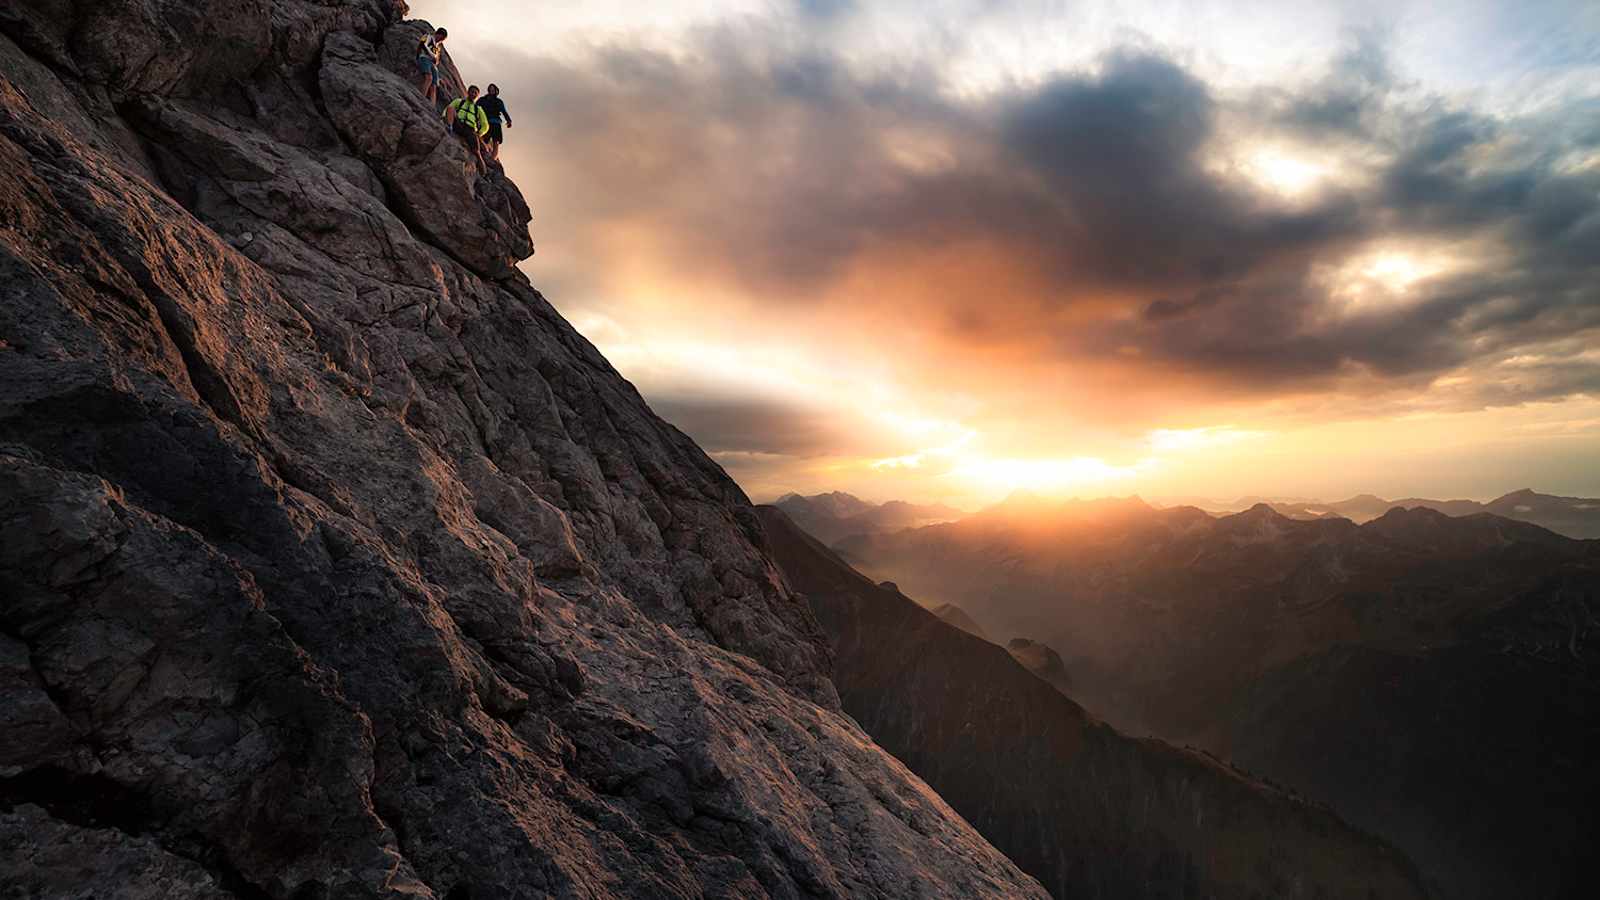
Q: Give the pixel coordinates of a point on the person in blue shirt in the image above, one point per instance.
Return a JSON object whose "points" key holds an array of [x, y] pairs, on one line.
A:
{"points": [[495, 108]]}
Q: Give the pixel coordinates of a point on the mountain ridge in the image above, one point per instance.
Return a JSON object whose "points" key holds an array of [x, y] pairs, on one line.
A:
{"points": [[1574, 517], [837, 514]]}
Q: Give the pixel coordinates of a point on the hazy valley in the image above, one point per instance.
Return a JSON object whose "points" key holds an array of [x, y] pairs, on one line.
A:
{"points": [[1427, 676]]}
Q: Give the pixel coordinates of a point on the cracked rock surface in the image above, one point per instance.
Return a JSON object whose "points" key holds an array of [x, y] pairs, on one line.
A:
{"points": [[333, 561]]}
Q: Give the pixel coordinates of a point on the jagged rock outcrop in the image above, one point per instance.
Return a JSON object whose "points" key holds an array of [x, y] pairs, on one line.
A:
{"points": [[1043, 661], [951, 613], [333, 562], [1090, 812]]}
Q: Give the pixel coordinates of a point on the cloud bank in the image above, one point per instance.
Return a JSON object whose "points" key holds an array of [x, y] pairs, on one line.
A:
{"points": [[1103, 250]]}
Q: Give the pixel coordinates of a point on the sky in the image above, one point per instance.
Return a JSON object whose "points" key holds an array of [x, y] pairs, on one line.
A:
{"points": [[946, 250]]}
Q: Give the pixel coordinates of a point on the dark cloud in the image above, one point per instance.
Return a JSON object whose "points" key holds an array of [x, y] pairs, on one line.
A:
{"points": [[824, 9], [733, 425], [1120, 155], [783, 167], [1348, 101]]}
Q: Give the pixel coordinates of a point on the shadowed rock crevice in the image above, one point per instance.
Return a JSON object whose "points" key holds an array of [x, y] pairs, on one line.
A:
{"points": [[90, 801], [80, 803]]}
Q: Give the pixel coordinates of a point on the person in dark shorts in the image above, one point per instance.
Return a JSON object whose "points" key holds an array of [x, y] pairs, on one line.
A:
{"points": [[428, 50], [496, 109], [468, 121]]}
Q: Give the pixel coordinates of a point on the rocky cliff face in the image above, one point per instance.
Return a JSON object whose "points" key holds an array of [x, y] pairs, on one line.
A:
{"points": [[1090, 812], [333, 562]]}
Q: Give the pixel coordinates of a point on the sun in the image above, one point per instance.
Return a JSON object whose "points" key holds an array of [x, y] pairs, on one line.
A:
{"points": [[1398, 270], [1387, 276], [1283, 172], [1042, 475]]}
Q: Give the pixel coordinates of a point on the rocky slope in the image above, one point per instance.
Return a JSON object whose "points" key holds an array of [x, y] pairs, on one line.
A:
{"points": [[333, 562], [1432, 678], [1090, 812]]}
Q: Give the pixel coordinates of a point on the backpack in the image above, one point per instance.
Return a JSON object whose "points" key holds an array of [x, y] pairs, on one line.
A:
{"points": [[461, 105]]}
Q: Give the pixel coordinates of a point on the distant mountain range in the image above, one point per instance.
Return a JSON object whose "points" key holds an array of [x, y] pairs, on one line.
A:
{"points": [[1088, 811], [837, 515], [1432, 677], [1575, 517]]}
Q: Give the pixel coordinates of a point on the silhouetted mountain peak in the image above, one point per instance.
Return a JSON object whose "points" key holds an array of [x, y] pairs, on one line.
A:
{"points": [[1363, 498], [1028, 506], [1043, 661], [1260, 516], [1021, 499], [1528, 500], [840, 503], [834, 516], [958, 617], [1420, 515]]}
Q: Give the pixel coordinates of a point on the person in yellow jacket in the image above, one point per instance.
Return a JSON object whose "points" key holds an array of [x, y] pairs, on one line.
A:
{"points": [[469, 122]]}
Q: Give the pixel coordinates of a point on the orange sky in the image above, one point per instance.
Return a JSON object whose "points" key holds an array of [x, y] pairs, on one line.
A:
{"points": [[846, 250]]}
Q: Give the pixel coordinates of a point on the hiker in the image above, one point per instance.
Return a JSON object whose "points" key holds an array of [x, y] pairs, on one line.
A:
{"points": [[428, 50], [469, 122], [496, 108]]}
